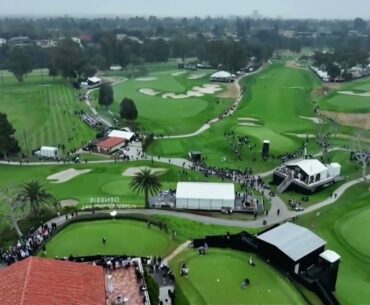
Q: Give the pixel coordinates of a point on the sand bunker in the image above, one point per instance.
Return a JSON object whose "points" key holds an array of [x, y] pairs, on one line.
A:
{"points": [[179, 73], [248, 119], [197, 75], [148, 91], [146, 79], [132, 171], [301, 135], [249, 124], [68, 203], [364, 94], [313, 119], [67, 175], [195, 92]]}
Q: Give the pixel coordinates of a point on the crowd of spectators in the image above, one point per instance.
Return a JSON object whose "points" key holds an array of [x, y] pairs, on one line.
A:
{"points": [[29, 245]]}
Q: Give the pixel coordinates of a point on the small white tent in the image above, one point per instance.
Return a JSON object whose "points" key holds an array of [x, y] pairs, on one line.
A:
{"points": [[205, 196], [221, 76]]}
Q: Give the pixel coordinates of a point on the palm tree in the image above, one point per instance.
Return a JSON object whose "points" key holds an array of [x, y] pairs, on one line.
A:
{"points": [[146, 181], [34, 191]]}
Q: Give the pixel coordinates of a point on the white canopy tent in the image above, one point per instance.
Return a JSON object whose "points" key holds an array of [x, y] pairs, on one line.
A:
{"points": [[205, 196], [121, 134], [221, 76]]}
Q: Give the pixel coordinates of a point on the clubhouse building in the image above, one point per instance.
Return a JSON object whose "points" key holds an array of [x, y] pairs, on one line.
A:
{"points": [[306, 176], [222, 77]]}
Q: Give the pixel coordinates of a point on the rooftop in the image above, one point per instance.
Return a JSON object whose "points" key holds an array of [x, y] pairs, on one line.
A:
{"points": [[309, 166], [37, 281], [121, 134], [295, 241], [203, 190], [110, 142]]}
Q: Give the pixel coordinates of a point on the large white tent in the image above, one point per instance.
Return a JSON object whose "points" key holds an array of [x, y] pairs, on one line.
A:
{"points": [[221, 76], [121, 134], [205, 196]]}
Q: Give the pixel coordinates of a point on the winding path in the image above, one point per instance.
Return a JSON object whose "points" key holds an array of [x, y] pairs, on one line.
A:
{"points": [[271, 219], [230, 112]]}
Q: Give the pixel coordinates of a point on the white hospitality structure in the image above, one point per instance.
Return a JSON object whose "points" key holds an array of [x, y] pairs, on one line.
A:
{"points": [[307, 175], [121, 134], [205, 196], [48, 152], [222, 76], [92, 82]]}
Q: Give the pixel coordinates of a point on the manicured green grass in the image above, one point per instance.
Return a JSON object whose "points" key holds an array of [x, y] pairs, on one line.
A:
{"points": [[104, 181], [42, 112], [348, 103], [216, 279], [123, 237], [276, 98], [355, 230], [343, 225], [170, 116]]}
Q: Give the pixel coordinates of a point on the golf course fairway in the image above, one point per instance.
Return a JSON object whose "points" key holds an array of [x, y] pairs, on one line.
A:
{"points": [[216, 279]]}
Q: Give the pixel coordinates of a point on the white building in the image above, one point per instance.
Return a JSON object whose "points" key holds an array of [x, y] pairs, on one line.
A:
{"points": [[308, 175], [222, 76], [48, 152], [115, 68], [121, 134], [2, 41], [92, 82], [205, 196]]}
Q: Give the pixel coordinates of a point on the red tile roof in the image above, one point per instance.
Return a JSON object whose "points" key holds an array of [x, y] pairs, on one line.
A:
{"points": [[37, 281], [111, 142]]}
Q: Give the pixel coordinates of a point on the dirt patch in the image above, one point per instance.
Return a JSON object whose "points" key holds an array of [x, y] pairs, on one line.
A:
{"points": [[230, 92], [249, 124], [179, 73], [132, 171], [148, 91], [67, 175], [197, 76], [313, 119], [358, 120], [364, 94], [326, 89], [301, 135], [249, 119], [295, 65], [68, 203], [145, 79]]}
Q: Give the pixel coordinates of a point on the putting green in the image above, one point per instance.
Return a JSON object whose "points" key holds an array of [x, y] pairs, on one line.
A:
{"points": [[118, 187], [123, 237], [355, 230], [216, 279]]}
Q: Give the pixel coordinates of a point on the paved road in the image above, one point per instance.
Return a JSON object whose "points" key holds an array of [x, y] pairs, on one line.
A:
{"points": [[271, 218]]}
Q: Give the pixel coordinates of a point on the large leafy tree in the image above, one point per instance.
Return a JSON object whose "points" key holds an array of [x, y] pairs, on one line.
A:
{"points": [[13, 207], [8, 143], [35, 192], [106, 95], [128, 110], [19, 63], [146, 182], [67, 58]]}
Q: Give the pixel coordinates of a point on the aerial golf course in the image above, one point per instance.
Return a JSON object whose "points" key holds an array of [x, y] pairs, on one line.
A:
{"points": [[277, 105]]}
